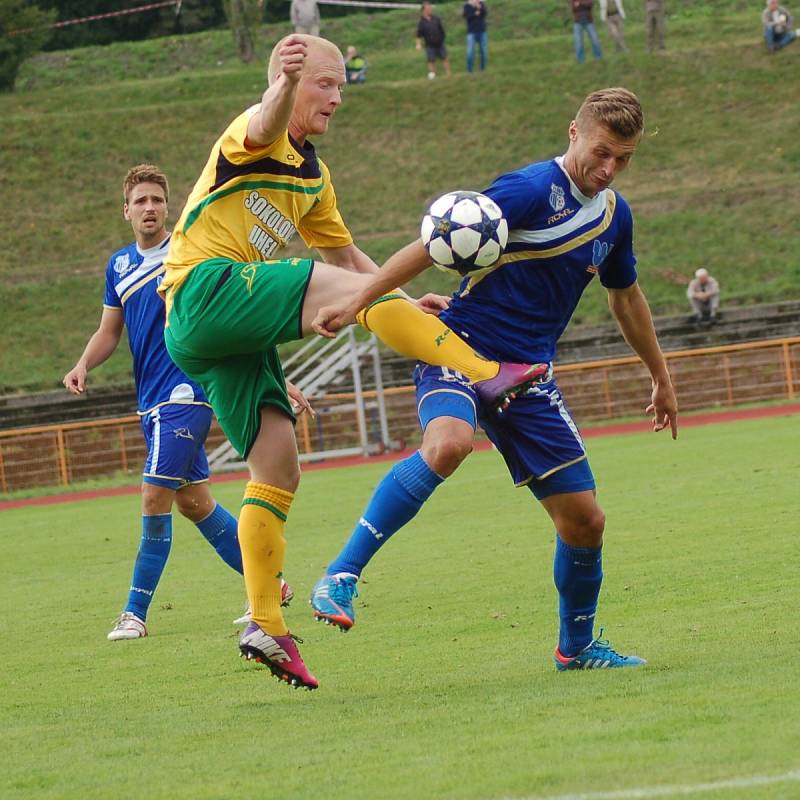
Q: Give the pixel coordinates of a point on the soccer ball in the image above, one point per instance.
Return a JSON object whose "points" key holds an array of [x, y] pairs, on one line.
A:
{"points": [[464, 231]]}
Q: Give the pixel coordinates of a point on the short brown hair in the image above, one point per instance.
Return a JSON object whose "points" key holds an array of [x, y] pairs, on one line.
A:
{"points": [[144, 173], [616, 109]]}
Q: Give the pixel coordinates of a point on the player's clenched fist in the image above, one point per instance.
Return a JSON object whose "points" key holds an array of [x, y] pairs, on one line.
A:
{"points": [[293, 53], [75, 379]]}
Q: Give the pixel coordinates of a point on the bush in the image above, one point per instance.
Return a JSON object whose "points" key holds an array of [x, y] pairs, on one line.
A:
{"points": [[23, 31]]}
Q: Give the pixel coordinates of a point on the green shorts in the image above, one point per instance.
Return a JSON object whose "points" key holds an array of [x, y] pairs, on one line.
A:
{"points": [[225, 322]]}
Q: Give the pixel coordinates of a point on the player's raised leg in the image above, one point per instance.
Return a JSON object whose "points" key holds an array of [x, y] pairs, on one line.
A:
{"points": [[447, 415], [578, 576], [411, 332]]}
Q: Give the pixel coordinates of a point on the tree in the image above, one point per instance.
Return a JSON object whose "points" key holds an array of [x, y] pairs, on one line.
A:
{"points": [[243, 16], [24, 28]]}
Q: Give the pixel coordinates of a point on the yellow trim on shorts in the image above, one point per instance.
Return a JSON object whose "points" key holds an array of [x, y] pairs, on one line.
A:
{"points": [[550, 471]]}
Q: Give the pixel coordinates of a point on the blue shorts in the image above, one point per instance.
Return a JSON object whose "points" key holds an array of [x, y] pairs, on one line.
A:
{"points": [[536, 435], [175, 434]]}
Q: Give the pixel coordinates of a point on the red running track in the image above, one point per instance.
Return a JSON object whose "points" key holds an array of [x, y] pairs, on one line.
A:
{"points": [[686, 421]]}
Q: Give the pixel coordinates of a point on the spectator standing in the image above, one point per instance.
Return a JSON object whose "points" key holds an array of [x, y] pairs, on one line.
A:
{"points": [[305, 16], [612, 13], [355, 66], [703, 294], [777, 22], [431, 31], [654, 24], [584, 23], [475, 15]]}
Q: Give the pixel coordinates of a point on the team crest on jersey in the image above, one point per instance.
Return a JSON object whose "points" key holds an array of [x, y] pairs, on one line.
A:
{"points": [[122, 264], [557, 200], [600, 251]]}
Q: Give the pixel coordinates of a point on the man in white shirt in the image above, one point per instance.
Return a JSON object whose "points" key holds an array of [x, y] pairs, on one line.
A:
{"points": [[613, 14], [703, 294]]}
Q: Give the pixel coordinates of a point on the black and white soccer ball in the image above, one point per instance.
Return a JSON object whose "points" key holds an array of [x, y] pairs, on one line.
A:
{"points": [[464, 231]]}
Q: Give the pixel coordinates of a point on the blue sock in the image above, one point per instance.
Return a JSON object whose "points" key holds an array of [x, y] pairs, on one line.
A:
{"points": [[578, 574], [220, 529], [394, 503], [150, 562]]}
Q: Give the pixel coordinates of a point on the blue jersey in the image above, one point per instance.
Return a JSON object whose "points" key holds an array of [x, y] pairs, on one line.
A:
{"points": [[132, 277], [558, 240]]}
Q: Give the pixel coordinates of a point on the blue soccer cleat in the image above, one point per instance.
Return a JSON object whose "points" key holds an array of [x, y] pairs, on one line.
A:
{"points": [[596, 655], [332, 600]]}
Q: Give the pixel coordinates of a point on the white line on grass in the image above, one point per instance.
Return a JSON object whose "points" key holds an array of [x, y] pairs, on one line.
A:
{"points": [[646, 793]]}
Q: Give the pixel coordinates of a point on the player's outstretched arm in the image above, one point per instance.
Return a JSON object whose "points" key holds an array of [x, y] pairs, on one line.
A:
{"points": [[277, 102], [100, 346], [404, 265], [632, 312], [356, 260]]}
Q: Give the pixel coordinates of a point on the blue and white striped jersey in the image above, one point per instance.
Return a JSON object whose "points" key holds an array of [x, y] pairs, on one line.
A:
{"points": [[559, 239], [132, 277]]}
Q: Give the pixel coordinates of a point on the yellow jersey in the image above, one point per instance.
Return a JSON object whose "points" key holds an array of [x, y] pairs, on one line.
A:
{"points": [[250, 201]]}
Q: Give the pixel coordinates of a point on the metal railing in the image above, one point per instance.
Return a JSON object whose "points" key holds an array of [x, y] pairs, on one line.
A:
{"points": [[363, 421]]}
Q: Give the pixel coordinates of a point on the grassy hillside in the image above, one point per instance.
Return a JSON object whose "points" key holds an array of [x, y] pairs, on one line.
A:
{"points": [[720, 152]]}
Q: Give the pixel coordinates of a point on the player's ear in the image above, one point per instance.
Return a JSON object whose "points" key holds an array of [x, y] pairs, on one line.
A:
{"points": [[125, 215], [573, 131]]}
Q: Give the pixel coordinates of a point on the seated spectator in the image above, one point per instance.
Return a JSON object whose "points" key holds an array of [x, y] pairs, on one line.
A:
{"points": [[355, 66], [778, 30], [703, 294]]}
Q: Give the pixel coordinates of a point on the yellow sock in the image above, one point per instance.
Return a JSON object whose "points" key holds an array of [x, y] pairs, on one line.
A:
{"points": [[413, 333], [261, 523]]}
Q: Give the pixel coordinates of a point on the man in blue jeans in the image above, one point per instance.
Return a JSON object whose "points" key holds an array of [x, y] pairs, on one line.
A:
{"points": [[584, 22], [475, 15]]}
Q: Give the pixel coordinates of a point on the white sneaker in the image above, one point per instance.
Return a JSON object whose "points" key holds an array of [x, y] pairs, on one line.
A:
{"points": [[127, 626], [286, 597]]}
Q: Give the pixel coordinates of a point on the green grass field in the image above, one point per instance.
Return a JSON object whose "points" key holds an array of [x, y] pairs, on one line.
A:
{"points": [[445, 687], [719, 153]]}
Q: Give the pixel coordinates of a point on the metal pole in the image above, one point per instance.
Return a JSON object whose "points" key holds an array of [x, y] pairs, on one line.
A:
{"points": [[3, 480], [358, 390], [787, 366], [726, 364], [379, 396], [62, 457]]}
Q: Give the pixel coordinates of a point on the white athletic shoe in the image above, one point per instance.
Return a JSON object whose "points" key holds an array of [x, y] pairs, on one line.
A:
{"points": [[127, 626], [286, 597]]}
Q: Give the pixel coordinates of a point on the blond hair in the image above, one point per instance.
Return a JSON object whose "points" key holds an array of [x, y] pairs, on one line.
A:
{"points": [[315, 44], [144, 173], [616, 109]]}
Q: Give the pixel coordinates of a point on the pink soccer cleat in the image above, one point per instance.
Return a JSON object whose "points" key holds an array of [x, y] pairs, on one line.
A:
{"points": [[511, 380], [279, 654]]}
